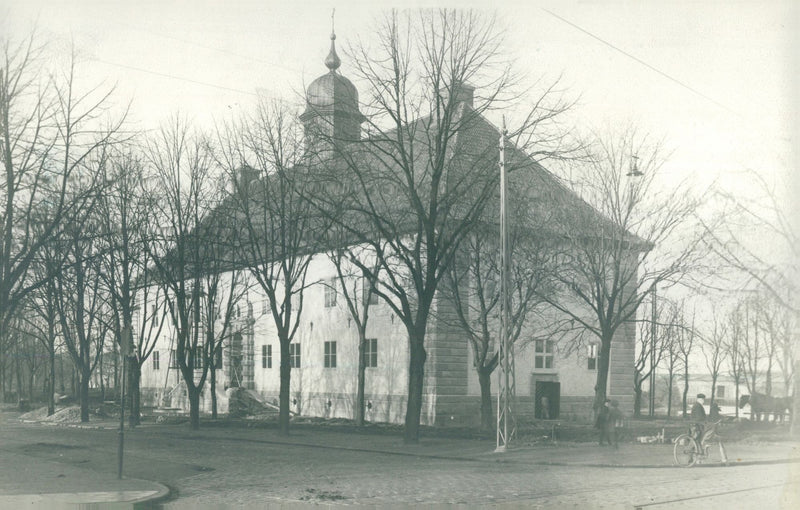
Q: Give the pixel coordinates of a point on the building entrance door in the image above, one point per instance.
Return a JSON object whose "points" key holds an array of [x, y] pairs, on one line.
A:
{"points": [[548, 395]]}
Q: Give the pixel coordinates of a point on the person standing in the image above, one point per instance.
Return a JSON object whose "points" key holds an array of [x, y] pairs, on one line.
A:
{"points": [[614, 422], [602, 422], [545, 403]]}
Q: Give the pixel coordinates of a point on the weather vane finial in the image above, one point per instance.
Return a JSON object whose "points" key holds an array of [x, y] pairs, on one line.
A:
{"points": [[333, 62]]}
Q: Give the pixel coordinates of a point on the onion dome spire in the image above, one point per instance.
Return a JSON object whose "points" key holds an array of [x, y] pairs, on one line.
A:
{"points": [[332, 61]]}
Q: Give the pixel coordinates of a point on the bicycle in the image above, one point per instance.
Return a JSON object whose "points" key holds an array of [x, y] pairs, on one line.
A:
{"points": [[688, 451]]}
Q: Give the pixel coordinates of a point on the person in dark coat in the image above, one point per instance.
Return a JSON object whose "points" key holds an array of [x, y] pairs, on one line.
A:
{"points": [[602, 423], [714, 412], [698, 416], [614, 422]]}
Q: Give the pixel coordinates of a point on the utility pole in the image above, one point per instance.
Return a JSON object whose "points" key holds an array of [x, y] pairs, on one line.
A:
{"points": [[506, 426], [653, 331]]}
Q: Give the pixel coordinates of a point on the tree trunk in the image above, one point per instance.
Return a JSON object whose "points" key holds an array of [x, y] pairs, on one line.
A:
{"points": [[416, 379], [670, 379], [685, 390], [18, 373], [31, 383], [102, 380], [134, 392], [603, 363], [194, 406], [51, 388], [768, 387], [795, 427], [61, 370], [286, 375], [637, 399], [213, 383], [361, 382], [85, 374], [488, 422], [713, 387], [736, 392]]}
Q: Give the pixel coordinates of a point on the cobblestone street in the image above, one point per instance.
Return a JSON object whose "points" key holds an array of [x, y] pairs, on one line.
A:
{"points": [[257, 467]]}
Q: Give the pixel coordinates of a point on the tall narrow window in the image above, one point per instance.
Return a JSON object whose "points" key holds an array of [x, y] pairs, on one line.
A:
{"points": [[266, 356], [197, 357], [592, 357], [371, 352], [218, 358], [173, 358], [264, 308], [330, 292], [294, 355], [156, 363], [368, 293], [330, 355], [543, 354]]}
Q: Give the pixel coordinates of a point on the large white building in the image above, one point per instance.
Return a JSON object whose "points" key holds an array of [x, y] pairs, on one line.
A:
{"points": [[324, 351]]}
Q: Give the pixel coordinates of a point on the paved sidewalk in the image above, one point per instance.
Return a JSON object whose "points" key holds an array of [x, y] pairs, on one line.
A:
{"points": [[39, 483]]}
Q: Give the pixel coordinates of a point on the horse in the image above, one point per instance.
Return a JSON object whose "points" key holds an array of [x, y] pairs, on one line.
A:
{"points": [[766, 404]]}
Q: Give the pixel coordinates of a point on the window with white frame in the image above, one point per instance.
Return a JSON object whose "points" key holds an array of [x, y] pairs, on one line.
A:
{"points": [[330, 292], [543, 354], [330, 355], [156, 363], [720, 392], [173, 358], [592, 357], [198, 357], [371, 352], [294, 355]]}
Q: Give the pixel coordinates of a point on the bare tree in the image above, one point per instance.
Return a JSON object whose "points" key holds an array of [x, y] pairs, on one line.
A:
{"points": [[686, 347], [672, 359], [126, 211], [473, 284], [641, 239], [734, 350], [761, 214], [42, 313], [713, 348], [48, 132], [650, 351], [357, 290], [186, 193], [226, 286], [279, 229], [83, 303], [751, 346], [773, 320], [414, 188]]}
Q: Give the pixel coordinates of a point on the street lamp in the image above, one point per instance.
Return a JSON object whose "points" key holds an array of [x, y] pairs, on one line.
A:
{"points": [[634, 172]]}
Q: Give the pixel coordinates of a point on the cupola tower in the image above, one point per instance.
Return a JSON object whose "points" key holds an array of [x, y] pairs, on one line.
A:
{"points": [[331, 113]]}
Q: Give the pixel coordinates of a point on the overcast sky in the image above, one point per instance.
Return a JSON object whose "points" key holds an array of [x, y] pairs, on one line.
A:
{"points": [[716, 80]]}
